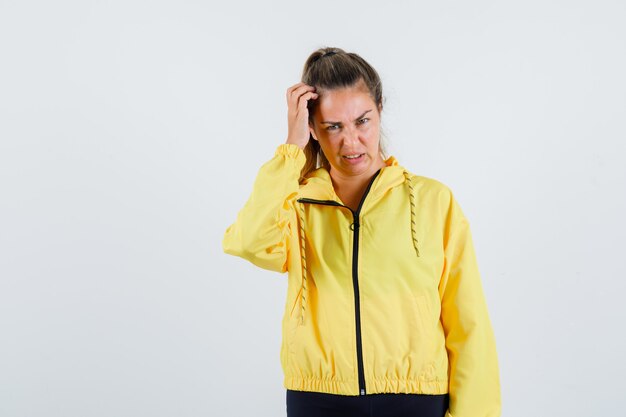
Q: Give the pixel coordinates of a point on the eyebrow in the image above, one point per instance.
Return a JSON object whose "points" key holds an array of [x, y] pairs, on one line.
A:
{"points": [[338, 123]]}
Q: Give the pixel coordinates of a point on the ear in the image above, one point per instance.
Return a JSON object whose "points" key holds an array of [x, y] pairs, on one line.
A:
{"points": [[312, 132]]}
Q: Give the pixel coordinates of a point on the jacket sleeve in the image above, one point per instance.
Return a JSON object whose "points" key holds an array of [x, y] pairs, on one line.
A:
{"points": [[474, 382], [261, 231]]}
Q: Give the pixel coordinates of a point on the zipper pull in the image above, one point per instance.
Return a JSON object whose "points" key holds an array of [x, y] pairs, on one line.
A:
{"points": [[355, 225]]}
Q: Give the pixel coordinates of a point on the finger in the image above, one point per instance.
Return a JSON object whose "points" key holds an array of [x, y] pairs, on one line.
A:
{"points": [[305, 98], [297, 92], [293, 88]]}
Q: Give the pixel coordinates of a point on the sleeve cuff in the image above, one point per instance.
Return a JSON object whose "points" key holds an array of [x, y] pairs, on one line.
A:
{"points": [[289, 149]]}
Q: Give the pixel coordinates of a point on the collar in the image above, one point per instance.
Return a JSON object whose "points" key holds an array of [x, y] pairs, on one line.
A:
{"points": [[318, 184]]}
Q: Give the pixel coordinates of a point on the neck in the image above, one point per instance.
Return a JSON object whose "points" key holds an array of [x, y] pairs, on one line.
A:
{"points": [[352, 187]]}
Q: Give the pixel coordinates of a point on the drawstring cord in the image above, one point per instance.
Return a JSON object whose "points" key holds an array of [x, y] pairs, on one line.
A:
{"points": [[304, 268], [412, 200]]}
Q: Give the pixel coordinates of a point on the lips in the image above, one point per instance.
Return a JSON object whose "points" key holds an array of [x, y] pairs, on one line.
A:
{"points": [[354, 158]]}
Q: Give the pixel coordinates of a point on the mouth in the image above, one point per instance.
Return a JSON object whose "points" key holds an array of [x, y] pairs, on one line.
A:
{"points": [[354, 158]]}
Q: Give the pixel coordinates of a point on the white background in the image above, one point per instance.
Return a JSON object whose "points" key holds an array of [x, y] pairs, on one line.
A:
{"points": [[130, 136]]}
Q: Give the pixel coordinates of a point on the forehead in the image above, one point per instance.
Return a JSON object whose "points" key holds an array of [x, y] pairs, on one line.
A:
{"points": [[343, 103]]}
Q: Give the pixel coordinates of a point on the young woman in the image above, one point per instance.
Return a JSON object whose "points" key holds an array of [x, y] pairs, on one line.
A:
{"points": [[385, 313]]}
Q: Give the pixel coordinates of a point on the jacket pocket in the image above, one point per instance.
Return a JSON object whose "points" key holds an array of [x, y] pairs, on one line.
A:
{"points": [[425, 319], [296, 306], [293, 321]]}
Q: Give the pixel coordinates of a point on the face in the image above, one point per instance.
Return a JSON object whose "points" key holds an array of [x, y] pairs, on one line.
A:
{"points": [[346, 124]]}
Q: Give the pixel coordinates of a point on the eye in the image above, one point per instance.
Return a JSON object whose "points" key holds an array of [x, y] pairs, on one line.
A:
{"points": [[331, 127], [363, 120]]}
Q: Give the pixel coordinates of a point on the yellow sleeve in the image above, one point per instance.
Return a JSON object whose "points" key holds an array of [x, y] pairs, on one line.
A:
{"points": [[261, 231], [474, 381]]}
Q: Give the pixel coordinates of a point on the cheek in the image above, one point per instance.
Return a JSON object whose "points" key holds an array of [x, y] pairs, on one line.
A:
{"points": [[329, 145], [371, 132]]}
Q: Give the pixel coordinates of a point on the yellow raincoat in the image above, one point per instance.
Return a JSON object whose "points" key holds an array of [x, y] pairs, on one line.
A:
{"points": [[386, 299]]}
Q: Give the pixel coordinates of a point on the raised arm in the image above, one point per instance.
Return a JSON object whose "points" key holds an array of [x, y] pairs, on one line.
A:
{"points": [[260, 232], [263, 226]]}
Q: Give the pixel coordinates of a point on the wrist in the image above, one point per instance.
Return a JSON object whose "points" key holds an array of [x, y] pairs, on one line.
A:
{"points": [[293, 142]]}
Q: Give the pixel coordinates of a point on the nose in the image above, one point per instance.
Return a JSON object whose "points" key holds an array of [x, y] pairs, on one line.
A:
{"points": [[351, 136]]}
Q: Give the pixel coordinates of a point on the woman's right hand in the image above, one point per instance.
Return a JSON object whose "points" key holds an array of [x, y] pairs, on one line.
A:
{"points": [[298, 96]]}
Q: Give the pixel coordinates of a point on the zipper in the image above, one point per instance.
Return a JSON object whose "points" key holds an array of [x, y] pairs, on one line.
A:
{"points": [[355, 226]]}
